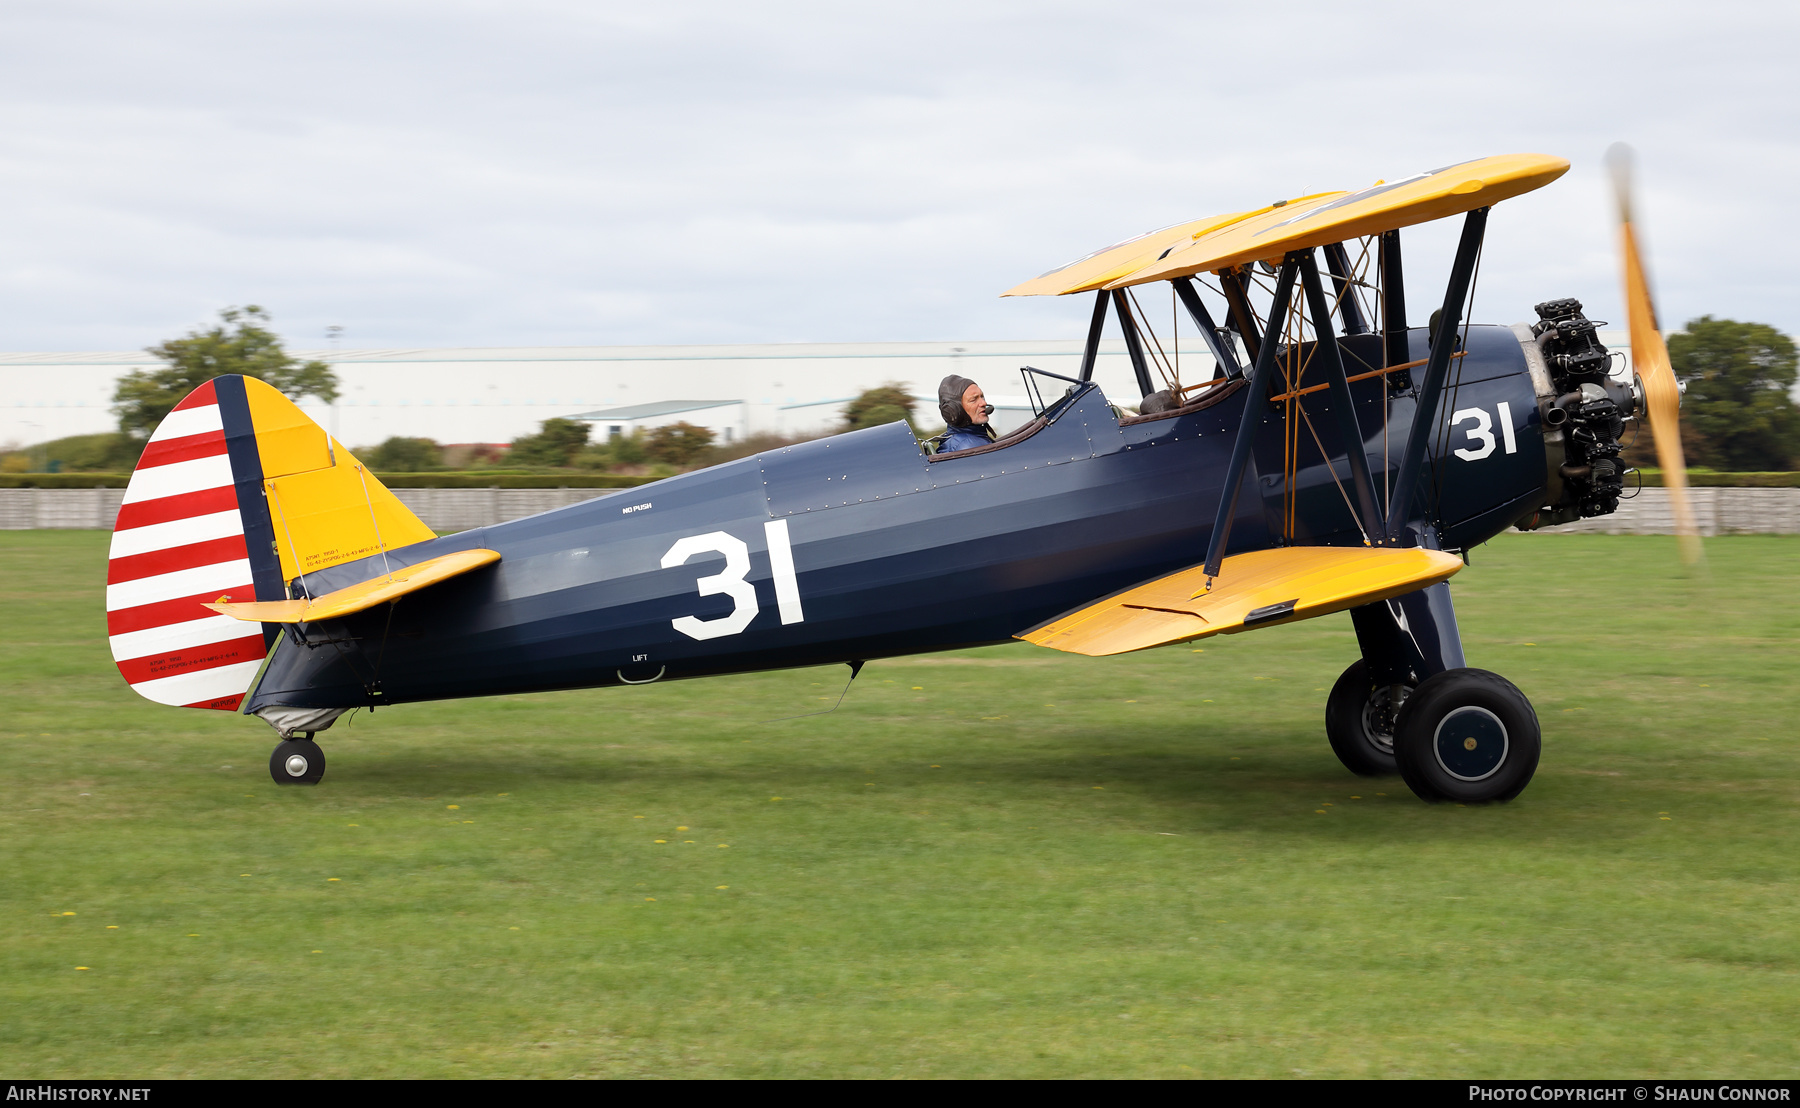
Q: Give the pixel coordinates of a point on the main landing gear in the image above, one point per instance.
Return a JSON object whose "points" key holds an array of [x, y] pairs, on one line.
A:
{"points": [[1410, 706], [1359, 721], [1467, 735], [297, 762]]}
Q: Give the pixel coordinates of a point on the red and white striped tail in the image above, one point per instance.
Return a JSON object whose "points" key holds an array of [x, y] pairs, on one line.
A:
{"points": [[179, 542]]}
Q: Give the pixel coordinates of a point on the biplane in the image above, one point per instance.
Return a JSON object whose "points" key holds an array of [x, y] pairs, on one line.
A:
{"points": [[1335, 456]]}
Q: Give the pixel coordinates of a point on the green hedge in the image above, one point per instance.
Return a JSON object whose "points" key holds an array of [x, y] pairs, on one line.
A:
{"points": [[1775, 479], [391, 480]]}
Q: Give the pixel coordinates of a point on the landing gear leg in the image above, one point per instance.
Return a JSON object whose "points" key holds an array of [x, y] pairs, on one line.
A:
{"points": [[297, 762], [1411, 706]]}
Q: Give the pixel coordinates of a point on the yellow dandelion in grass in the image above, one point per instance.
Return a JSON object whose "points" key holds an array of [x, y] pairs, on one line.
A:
{"points": [[468, 821], [637, 817], [774, 798], [1318, 811], [937, 767], [193, 934], [662, 840], [1099, 786], [318, 952], [81, 967], [512, 928], [334, 879], [721, 886], [722, 846], [1663, 817], [112, 927], [453, 807], [243, 875], [681, 829], [68, 913], [651, 899], [1356, 798]]}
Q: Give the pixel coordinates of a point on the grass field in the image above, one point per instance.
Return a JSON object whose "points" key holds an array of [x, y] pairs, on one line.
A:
{"points": [[1003, 862]]}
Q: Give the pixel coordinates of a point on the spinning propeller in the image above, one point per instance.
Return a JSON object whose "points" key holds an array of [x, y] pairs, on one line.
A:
{"points": [[1650, 358]]}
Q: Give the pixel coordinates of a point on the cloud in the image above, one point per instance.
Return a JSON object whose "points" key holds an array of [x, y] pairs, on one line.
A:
{"points": [[545, 173]]}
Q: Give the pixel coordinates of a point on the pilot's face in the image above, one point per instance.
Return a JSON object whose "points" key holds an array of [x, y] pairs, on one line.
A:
{"points": [[975, 404]]}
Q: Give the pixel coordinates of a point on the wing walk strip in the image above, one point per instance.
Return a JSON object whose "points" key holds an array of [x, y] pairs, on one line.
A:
{"points": [[178, 543]]}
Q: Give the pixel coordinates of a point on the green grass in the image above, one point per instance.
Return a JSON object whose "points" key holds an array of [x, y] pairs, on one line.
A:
{"points": [[1005, 862]]}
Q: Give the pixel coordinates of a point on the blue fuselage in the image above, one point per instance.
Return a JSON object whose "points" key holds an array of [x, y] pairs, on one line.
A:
{"points": [[893, 553]]}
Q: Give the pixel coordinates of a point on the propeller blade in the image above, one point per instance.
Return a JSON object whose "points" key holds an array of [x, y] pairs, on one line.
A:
{"points": [[1650, 358]]}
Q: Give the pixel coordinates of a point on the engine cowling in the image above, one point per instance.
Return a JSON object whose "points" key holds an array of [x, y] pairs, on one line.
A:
{"points": [[1585, 410]]}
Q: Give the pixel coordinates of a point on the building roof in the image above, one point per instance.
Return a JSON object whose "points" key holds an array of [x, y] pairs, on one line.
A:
{"points": [[654, 409]]}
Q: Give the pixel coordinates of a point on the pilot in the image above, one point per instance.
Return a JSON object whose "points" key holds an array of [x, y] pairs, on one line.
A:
{"points": [[965, 411]]}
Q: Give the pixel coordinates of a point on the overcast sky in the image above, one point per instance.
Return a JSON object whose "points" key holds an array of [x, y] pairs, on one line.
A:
{"points": [[542, 173]]}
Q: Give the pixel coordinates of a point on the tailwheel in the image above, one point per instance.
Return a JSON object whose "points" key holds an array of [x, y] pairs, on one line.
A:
{"points": [[1359, 721], [1467, 735], [297, 762]]}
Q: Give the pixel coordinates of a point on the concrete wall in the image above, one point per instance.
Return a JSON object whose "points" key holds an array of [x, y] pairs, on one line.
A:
{"points": [[1719, 511]]}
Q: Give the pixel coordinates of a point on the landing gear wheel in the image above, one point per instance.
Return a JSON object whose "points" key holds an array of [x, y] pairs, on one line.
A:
{"points": [[1467, 735], [1359, 721], [297, 762]]}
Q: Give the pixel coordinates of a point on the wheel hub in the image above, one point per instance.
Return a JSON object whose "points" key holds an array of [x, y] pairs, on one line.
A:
{"points": [[1379, 711], [296, 765], [1470, 744]]}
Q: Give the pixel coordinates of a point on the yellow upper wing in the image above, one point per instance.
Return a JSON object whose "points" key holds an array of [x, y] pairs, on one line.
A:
{"points": [[1109, 263], [1268, 233], [1259, 589], [1417, 199]]}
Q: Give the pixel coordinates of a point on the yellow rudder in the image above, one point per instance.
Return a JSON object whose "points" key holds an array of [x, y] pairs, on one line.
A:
{"points": [[326, 507]]}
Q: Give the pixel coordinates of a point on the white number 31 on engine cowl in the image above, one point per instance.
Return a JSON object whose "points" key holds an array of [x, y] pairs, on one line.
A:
{"points": [[1481, 436]]}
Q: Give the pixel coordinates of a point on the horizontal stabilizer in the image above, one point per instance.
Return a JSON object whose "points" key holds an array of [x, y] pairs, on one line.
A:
{"points": [[360, 596], [1258, 589]]}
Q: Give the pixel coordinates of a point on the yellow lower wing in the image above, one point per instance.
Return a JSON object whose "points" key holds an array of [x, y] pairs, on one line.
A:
{"points": [[365, 594], [1258, 589]]}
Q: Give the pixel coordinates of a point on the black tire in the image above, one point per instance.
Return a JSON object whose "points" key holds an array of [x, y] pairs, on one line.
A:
{"points": [[1469, 736], [1360, 724], [297, 762]]}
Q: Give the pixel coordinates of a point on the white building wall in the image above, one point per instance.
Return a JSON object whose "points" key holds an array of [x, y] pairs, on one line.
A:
{"points": [[498, 394]]}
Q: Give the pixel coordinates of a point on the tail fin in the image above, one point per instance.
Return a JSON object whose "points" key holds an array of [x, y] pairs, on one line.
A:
{"points": [[237, 494]]}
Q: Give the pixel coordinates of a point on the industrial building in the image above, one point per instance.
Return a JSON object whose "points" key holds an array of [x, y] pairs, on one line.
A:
{"points": [[494, 395]]}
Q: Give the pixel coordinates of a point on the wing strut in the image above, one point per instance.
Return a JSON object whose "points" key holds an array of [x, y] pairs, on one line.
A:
{"points": [[1254, 413], [1236, 288], [1134, 343], [1222, 353], [1095, 326], [1349, 428], [1341, 277], [1449, 327], [1393, 301]]}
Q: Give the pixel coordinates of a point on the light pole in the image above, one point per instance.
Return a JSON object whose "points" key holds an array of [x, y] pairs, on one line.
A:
{"points": [[332, 334]]}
